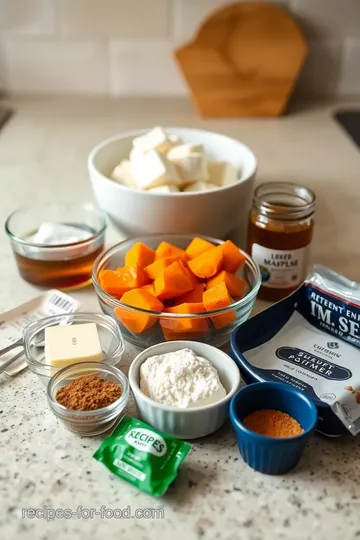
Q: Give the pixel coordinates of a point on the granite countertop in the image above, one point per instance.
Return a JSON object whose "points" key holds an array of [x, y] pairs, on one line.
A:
{"points": [[43, 152]]}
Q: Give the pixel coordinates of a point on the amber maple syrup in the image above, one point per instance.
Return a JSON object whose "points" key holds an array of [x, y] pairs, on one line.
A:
{"points": [[63, 267], [280, 232]]}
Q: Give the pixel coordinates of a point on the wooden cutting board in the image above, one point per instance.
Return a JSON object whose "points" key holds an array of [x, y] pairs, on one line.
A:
{"points": [[244, 61]]}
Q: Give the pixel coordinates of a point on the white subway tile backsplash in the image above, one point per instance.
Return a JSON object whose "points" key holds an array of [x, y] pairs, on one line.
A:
{"points": [[125, 47], [145, 68], [320, 76], [350, 77], [45, 66], [135, 19], [328, 18], [27, 16], [189, 14]]}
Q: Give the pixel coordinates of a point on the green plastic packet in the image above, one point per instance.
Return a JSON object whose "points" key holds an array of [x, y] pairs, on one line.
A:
{"points": [[143, 456]]}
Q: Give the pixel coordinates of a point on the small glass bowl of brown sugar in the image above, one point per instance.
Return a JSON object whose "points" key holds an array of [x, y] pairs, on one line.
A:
{"points": [[273, 422], [88, 397]]}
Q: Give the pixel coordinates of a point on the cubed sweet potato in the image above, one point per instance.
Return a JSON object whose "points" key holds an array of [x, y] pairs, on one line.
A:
{"points": [[114, 284], [235, 285], [233, 258], [139, 254], [198, 246], [170, 335], [149, 287], [172, 281], [192, 296], [207, 264], [134, 321], [154, 269], [186, 324], [216, 298], [134, 276], [194, 279], [165, 249]]}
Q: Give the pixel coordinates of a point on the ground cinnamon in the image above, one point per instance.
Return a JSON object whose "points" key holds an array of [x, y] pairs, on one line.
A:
{"points": [[88, 393], [272, 423]]}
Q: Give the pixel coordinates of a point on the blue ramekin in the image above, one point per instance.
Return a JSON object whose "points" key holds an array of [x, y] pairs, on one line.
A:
{"points": [[271, 455]]}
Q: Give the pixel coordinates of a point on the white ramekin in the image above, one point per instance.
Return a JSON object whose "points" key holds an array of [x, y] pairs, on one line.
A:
{"points": [[186, 423]]}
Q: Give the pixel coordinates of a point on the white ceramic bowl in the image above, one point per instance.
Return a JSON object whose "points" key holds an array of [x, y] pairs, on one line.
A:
{"points": [[214, 213], [186, 423]]}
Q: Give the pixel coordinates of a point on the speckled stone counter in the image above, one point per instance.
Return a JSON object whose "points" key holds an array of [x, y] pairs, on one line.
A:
{"points": [[43, 157]]}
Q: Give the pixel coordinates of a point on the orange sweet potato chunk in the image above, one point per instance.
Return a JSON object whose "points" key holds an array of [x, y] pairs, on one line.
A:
{"points": [[194, 279], [154, 269], [198, 246], [172, 281], [150, 287], [112, 283], [138, 322], [216, 298], [192, 296], [139, 254], [133, 276], [185, 325], [188, 307], [207, 264], [117, 282], [170, 335], [165, 249], [233, 258], [235, 285]]}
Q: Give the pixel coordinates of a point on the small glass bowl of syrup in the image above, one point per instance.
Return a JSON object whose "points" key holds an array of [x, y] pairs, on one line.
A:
{"points": [[55, 245]]}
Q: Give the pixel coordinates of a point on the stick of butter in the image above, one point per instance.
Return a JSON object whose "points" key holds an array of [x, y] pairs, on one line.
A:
{"points": [[70, 344]]}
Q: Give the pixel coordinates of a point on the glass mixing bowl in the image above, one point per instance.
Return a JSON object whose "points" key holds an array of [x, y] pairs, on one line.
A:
{"points": [[241, 309]]}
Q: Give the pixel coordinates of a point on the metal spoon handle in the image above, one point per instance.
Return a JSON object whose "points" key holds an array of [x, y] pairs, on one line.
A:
{"points": [[18, 343], [10, 361]]}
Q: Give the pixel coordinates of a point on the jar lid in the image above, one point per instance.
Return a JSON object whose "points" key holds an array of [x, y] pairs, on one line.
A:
{"points": [[284, 201]]}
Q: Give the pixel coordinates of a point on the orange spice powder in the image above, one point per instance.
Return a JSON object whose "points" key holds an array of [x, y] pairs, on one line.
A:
{"points": [[272, 423]]}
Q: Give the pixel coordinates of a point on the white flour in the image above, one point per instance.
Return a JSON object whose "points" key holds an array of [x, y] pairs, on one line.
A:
{"points": [[181, 379]]}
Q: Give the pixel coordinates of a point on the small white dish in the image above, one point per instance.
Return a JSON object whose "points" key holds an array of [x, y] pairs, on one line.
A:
{"points": [[186, 423]]}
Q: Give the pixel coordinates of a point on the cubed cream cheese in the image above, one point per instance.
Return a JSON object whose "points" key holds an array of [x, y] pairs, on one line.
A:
{"points": [[200, 186], [73, 343], [156, 139], [135, 154], [153, 169], [222, 173], [122, 174], [183, 150], [175, 140], [191, 161]]}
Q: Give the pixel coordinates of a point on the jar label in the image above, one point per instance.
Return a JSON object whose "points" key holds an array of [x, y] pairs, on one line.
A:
{"points": [[280, 268]]}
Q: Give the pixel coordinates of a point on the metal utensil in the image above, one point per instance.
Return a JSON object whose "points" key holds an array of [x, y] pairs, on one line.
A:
{"points": [[15, 345]]}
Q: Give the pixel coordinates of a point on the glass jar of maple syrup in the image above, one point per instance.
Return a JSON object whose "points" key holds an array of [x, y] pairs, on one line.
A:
{"points": [[280, 231]]}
